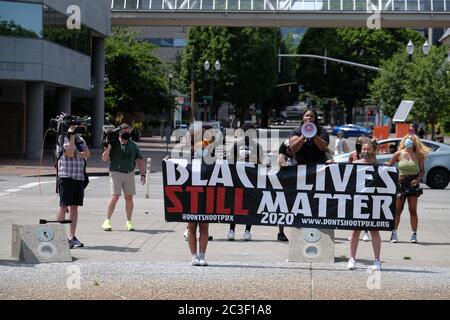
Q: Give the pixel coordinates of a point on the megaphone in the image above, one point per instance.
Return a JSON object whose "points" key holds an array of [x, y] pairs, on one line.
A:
{"points": [[309, 130]]}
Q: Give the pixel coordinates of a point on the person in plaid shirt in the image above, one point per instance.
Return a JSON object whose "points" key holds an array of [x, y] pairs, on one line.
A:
{"points": [[71, 164]]}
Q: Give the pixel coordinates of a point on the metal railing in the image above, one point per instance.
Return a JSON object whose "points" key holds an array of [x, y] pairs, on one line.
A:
{"points": [[285, 5]]}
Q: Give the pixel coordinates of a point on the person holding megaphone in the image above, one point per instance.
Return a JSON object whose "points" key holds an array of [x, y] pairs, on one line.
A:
{"points": [[309, 141]]}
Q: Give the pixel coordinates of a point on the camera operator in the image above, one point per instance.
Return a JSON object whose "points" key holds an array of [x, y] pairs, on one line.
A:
{"points": [[72, 153], [123, 154]]}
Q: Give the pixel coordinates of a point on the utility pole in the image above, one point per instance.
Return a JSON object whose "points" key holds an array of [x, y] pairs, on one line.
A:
{"points": [[192, 95]]}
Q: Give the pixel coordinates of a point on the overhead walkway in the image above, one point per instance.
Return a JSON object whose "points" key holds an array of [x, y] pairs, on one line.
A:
{"points": [[283, 13]]}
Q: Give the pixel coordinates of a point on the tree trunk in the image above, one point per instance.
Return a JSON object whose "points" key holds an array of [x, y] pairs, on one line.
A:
{"points": [[349, 111], [433, 136]]}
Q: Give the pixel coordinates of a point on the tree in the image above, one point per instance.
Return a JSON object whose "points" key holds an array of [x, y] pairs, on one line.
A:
{"points": [[136, 81], [366, 46], [248, 57], [428, 85], [388, 89]]}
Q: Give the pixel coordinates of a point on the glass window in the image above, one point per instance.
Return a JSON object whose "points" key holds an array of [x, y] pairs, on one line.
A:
{"points": [[55, 30], [21, 19]]}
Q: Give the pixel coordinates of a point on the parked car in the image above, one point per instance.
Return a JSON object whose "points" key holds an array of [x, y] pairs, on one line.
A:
{"points": [[352, 130], [279, 121], [437, 163]]}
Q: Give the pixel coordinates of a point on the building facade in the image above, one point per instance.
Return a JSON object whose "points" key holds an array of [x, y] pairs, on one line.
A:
{"points": [[46, 45]]}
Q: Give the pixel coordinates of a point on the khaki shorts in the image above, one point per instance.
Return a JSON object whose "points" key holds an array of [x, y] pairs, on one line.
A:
{"points": [[122, 181]]}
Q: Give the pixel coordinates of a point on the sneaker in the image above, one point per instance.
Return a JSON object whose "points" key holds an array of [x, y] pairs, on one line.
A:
{"points": [[107, 225], [282, 237], [376, 265], [414, 237], [195, 261], [210, 238], [351, 265], [394, 237], [203, 262], [74, 242], [230, 235], [185, 234], [130, 226], [247, 235], [366, 236]]}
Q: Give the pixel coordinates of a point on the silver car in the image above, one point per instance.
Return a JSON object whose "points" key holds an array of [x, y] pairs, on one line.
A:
{"points": [[437, 163]]}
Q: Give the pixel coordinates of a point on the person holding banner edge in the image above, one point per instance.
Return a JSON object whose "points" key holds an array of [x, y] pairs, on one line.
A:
{"points": [[368, 148]]}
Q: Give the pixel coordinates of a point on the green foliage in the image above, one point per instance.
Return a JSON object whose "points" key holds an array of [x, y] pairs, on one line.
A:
{"points": [[366, 46], [249, 62], [136, 78], [428, 85], [388, 89], [10, 28], [425, 80]]}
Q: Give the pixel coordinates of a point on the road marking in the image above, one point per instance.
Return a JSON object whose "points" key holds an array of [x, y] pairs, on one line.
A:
{"points": [[13, 190], [3, 194], [29, 186]]}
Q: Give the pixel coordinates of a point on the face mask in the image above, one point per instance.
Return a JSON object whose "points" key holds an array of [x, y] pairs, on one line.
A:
{"points": [[125, 136], [358, 147], [409, 143]]}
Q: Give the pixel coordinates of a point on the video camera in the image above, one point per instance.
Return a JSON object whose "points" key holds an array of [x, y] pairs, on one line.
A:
{"points": [[63, 122], [109, 131]]}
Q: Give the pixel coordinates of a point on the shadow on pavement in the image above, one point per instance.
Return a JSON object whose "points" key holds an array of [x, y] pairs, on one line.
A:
{"points": [[111, 248]]}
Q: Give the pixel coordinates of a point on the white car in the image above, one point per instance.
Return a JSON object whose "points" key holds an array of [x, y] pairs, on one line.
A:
{"points": [[437, 163]]}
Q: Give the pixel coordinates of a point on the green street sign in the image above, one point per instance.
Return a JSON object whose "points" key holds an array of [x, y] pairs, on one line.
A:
{"points": [[207, 97]]}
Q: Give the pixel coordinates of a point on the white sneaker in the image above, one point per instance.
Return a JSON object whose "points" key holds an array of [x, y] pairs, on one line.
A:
{"points": [[376, 265], [394, 238], [230, 235], [203, 262], [196, 261], [247, 236], [366, 236], [414, 237], [186, 234], [351, 265]]}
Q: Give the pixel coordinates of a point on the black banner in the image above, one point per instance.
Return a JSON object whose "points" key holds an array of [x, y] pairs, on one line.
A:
{"points": [[336, 196]]}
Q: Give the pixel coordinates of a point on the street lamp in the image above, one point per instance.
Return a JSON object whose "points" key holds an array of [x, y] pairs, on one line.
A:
{"points": [[426, 48], [170, 95], [217, 67], [410, 49]]}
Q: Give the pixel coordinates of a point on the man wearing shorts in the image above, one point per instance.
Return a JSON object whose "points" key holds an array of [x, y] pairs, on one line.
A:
{"points": [[71, 154], [123, 154]]}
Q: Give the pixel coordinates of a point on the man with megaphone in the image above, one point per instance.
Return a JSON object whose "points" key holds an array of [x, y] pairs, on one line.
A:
{"points": [[310, 140]]}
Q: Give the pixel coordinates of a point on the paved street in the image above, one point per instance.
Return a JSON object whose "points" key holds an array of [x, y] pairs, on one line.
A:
{"points": [[154, 261]]}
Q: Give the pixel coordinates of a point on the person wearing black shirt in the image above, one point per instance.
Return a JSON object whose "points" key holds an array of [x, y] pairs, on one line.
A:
{"points": [[310, 151]]}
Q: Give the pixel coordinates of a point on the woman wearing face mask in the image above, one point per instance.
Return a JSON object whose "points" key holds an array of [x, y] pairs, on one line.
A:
{"points": [[410, 159], [367, 155]]}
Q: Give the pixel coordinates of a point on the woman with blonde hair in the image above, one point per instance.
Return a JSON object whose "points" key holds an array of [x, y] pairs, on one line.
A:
{"points": [[410, 158]]}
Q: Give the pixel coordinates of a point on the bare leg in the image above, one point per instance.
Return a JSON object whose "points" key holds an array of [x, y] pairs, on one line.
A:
{"points": [[354, 243], [129, 206], [204, 235], [414, 219], [399, 208], [61, 214], [74, 217], [192, 237], [376, 243], [112, 205]]}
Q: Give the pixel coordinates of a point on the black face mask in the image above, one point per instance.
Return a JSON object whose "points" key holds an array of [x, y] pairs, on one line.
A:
{"points": [[125, 136], [358, 147]]}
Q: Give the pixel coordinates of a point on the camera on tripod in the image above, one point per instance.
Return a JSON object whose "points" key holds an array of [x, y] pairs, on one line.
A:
{"points": [[63, 122]]}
